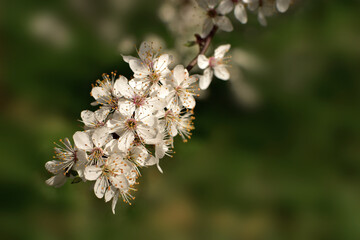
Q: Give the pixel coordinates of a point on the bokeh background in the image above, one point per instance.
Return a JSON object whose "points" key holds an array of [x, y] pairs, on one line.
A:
{"points": [[275, 153]]}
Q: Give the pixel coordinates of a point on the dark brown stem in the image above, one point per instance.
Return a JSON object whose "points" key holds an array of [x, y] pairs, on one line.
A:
{"points": [[204, 44]]}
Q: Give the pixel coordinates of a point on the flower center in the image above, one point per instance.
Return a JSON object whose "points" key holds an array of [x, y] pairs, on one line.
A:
{"points": [[138, 100], [212, 13], [99, 124], [96, 156], [212, 62], [131, 124], [235, 1], [107, 171], [154, 77], [178, 89], [112, 102], [137, 141], [97, 153]]}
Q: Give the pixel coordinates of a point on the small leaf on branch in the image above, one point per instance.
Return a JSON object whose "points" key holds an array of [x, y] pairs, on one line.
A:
{"points": [[76, 180], [190, 43]]}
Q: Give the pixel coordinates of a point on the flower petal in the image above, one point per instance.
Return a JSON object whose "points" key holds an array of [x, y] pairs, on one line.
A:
{"points": [[203, 61], [282, 5], [100, 137], [224, 23], [54, 166], [208, 25], [225, 7], [145, 115], [140, 154], [146, 132], [139, 68], [98, 93], [83, 141], [252, 4], [159, 168], [202, 3], [125, 140], [212, 3], [187, 100], [159, 151], [161, 90], [88, 118], [172, 130], [152, 161], [146, 51], [101, 114], [240, 13], [92, 173], [109, 194], [114, 201], [162, 62], [205, 79], [122, 86], [179, 74], [100, 186], [126, 107], [221, 51], [57, 180], [261, 17], [128, 58], [120, 181], [221, 72], [82, 159], [116, 126]]}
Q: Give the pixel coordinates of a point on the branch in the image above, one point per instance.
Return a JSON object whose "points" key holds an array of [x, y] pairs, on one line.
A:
{"points": [[204, 44]]}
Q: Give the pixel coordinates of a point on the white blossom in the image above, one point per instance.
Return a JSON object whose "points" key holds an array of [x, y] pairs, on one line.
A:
{"points": [[213, 17], [213, 65], [94, 145], [131, 125], [106, 92], [116, 172], [163, 145], [151, 69], [176, 122], [182, 90], [67, 158], [136, 99], [94, 120]]}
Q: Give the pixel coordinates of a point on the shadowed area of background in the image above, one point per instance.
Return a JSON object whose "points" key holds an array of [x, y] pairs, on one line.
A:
{"points": [[286, 166]]}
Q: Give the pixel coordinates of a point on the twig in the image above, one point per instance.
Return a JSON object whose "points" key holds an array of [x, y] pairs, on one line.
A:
{"points": [[204, 44]]}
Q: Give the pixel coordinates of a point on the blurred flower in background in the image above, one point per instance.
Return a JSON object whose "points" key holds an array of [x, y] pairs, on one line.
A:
{"points": [[49, 29], [279, 159]]}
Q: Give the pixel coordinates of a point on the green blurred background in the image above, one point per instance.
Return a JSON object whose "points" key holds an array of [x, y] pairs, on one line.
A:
{"points": [[286, 166]]}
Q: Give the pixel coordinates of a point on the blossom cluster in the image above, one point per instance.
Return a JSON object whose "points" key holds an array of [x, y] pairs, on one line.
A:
{"points": [[137, 119], [216, 11], [216, 18], [134, 126]]}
